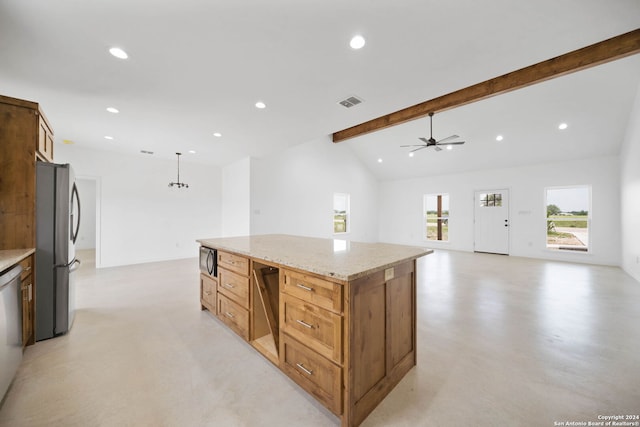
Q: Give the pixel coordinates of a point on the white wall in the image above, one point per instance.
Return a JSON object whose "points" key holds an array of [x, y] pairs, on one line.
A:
{"points": [[142, 219], [87, 231], [236, 198], [630, 185], [401, 207], [292, 191]]}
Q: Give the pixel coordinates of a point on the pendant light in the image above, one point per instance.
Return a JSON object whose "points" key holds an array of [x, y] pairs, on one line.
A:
{"points": [[179, 184]]}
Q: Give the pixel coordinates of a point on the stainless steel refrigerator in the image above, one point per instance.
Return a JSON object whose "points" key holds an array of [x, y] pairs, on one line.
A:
{"points": [[57, 225]]}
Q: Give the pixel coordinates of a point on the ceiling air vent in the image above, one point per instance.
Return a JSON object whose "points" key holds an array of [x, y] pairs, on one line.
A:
{"points": [[350, 101]]}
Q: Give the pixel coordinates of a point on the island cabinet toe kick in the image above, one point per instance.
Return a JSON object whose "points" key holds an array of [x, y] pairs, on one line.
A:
{"points": [[347, 339]]}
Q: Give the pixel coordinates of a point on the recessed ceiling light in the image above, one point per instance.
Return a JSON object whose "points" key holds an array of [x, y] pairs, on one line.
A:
{"points": [[357, 42], [118, 53], [379, 160], [261, 105], [217, 134], [449, 147], [113, 110], [499, 138], [192, 151], [108, 137], [410, 154], [563, 126]]}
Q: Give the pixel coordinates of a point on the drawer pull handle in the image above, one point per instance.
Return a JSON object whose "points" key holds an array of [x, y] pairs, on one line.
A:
{"points": [[305, 324], [306, 371], [27, 269], [229, 315], [306, 288], [229, 285]]}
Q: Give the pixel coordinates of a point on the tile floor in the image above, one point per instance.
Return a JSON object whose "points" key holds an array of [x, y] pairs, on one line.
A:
{"points": [[502, 341]]}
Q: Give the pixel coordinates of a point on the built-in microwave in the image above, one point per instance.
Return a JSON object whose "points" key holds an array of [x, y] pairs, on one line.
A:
{"points": [[209, 261]]}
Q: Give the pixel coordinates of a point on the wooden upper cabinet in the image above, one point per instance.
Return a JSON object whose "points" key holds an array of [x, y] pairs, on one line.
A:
{"points": [[45, 140], [25, 137]]}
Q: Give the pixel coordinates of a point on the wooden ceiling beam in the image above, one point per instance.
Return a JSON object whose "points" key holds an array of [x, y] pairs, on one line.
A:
{"points": [[605, 51]]}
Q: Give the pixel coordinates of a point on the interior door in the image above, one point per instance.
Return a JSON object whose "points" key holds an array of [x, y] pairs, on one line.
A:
{"points": [[491, 227]]}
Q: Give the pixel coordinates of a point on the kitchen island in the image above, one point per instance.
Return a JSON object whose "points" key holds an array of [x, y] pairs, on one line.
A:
{"points": [[338, 317]]}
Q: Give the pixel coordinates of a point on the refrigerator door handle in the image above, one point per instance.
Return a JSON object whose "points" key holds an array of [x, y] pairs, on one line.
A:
{"points": [[72, 266], [74, 233]]}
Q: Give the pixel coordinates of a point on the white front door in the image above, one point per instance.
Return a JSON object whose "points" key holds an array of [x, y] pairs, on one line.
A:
{"points": [[491, 215]]}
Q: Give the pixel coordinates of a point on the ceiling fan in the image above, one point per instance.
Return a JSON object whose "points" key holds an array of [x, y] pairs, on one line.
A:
{"points": [[432, 142]]}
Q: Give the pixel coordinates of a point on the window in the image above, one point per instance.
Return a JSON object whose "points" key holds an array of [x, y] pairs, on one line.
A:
{"points": [[568, 218], [341, 213], [491, 200], [436, 208]]}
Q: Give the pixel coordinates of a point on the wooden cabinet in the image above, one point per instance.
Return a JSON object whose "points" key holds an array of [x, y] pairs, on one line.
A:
{"points": [[234, 286], [25, 137], [314, 373], [208, 291], [235, 316], [346, 342], [45, 140], [26, 287], [233, 292]]}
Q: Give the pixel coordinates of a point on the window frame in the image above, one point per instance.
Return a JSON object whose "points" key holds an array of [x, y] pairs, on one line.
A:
{"points": [[567, 248], [425, 217], [347, 214]]}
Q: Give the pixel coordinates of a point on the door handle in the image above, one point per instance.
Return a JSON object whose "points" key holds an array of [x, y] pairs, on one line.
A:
{"points": [[74, 233]]}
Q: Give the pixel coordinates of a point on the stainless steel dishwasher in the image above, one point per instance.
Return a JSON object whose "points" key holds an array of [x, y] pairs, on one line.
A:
{"points": [[10, 327]]}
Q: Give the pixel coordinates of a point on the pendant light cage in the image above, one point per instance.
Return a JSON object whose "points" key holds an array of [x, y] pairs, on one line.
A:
{"points": [[178, 183]]}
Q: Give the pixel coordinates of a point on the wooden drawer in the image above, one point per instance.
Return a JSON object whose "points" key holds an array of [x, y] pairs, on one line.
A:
{"points": [[316, 291], [234, 286], [233, 262], [234, 316], [208, 291], [314, 373], [27, 267], [317, 328]]}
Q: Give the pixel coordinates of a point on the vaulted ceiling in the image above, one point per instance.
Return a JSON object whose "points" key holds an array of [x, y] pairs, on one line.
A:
{"points": [[197, 67]]}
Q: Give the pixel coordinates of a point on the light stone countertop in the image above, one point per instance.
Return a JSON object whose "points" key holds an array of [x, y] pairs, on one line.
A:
{"points": [[333, 258], [10, 257]]}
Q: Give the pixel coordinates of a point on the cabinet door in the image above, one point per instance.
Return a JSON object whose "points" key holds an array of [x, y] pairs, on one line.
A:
{"points": [[208, 291], [27, 312], [45, 141]]}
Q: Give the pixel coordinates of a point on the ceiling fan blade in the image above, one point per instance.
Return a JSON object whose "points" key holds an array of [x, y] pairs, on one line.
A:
{"points": [[447, 138], [425, 140], [451, 143], [438, 148], [413, 151], [415, 145]]}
